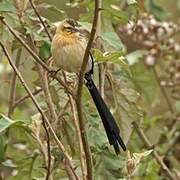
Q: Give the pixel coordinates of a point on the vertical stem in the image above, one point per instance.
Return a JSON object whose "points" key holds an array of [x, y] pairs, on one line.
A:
{"points": [[43, 83], [44, 117], [13, 85], [40, 18], [48, 152], [155, 153], [77, 128], [98, 44], [163, 91], [82, 155], [101, 79], [79, 94]]}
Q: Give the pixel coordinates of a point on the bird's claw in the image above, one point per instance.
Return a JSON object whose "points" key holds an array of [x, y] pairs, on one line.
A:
{"points": [[53, 73]]}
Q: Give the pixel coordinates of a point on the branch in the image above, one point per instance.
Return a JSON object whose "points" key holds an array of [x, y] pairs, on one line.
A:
{"points": [[63, 110], [48, 97], [69, 171], [22, 99], [171, 143], [101, 79], [77, 128], [79, 93], [98, 46], [163, 91], [40, 19], [35, 56], [44, 65], [48, 152], [13, 85], [155, 153], [44, 117], [44, 81], [78, 132]]}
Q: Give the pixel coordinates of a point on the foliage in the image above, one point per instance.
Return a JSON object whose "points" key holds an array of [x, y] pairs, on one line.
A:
{"points": [[140, 54]]}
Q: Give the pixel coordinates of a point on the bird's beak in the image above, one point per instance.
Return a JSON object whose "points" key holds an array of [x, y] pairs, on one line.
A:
{"points": [[75, 29]]}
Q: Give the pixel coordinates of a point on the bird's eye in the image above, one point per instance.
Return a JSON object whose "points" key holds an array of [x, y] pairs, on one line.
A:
{"points": [[68, 29]]}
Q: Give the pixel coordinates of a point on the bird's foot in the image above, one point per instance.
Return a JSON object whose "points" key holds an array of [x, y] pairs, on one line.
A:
{"points": [[53, 73]]}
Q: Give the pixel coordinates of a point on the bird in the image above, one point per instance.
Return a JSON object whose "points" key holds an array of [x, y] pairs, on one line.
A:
{"points": [[68, 49]]}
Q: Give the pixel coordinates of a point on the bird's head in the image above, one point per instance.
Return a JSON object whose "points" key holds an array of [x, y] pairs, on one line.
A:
{"points": [[69, 27]]}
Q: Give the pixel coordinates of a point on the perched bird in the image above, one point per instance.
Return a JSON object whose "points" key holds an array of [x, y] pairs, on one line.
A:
{"points": [[68, 48]]}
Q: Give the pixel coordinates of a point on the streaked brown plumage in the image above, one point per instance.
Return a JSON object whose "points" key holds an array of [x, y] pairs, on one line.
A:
{"points": [[68, 47]]}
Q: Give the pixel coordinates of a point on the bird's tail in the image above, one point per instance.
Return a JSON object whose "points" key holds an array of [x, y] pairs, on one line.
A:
{"points": [[109, 123]]}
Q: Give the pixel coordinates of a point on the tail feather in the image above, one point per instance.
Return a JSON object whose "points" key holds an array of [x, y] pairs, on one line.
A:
{"points": [[116, 147], [109, 123]]}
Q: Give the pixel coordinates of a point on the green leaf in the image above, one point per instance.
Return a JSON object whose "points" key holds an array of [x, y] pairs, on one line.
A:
{"points": [[52, 8], [113, 40], [113, 57], [9, 163], [45, 50], [108, 165], [6, 122], [7, 6], [135, 56], [130, 2], [145, 82], [108, 56], [117, 13], [97, 138], [94, 120], [157, 10], [123, 100], [139, 156], [3, 145]]}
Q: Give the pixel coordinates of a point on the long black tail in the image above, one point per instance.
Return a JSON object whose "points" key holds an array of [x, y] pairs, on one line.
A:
{"points": [[109, 123]]}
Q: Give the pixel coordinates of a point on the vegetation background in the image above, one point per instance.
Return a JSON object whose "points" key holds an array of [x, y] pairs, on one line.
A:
{"points": [[137, 68]]}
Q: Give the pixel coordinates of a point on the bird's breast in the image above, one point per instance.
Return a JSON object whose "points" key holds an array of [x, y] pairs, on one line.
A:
{"points": [[68, 53]]}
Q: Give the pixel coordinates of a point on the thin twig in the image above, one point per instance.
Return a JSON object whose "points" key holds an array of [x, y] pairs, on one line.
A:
{"points": [[43, 83], [101, 79], [173, 128], [69, 171], [35, 56], [155, 153], [41, 20], [171, 143], [62, 111], [82, 154], [44, 117], [22, 99], [77, 128], [13, 85], [79, 94], [47, 95], [48, 151], [36, 136], [45, 87], [98, 46], [163, 91], [68, 135], [114, 94]]}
